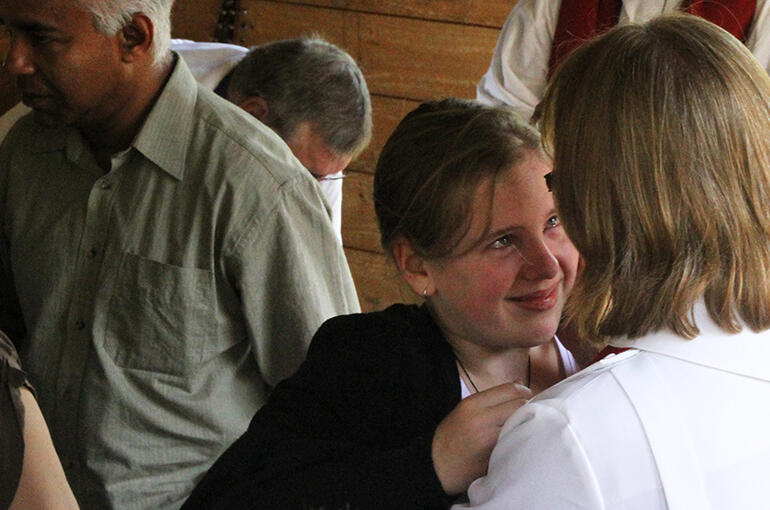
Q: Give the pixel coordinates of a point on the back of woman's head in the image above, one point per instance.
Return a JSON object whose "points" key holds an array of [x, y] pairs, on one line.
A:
{"points": [[433, 162], [660, 135]]}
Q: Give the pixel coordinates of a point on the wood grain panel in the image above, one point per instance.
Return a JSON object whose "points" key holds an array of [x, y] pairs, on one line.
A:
{"points": [[270, 21], [386, 114], [492, 13], [377, 281], [359, 222], [401, 57], [417, 59], [195, 19]]}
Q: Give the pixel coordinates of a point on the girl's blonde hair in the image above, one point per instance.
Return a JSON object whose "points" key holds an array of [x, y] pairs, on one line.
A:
{"points": [[660, 135]]}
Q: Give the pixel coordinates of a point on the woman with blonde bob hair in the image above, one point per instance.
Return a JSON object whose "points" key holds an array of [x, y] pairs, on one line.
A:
{"points": [[660, 135]]}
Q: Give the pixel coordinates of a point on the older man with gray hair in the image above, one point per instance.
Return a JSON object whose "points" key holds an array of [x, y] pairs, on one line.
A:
{"points": [[164, 258], [307, 90]]}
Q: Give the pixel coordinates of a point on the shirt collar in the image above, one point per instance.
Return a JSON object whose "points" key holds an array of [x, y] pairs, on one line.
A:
{"points": [[51, 139], [636, 12], [67, 139], [165, 134], [745, 353]]}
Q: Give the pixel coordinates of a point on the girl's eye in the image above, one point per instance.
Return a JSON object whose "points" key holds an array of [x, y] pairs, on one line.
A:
{"points": [[552, 222], [503, 242]]}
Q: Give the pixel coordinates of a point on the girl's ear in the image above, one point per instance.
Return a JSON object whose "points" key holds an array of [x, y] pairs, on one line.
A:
{"points": [[412, 267]]}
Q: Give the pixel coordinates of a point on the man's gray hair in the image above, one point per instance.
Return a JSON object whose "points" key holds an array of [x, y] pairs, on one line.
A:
{"points": [[110, 16], [308, 80]]}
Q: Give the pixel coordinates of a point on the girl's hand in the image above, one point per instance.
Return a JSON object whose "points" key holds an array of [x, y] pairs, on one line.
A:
{"points": [[463, 441]]}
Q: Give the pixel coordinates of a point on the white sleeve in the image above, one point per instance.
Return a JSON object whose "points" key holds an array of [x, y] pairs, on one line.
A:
{"points": [[538, 464], [332, 192], [209, 62], [518, 72], [758, 40]]}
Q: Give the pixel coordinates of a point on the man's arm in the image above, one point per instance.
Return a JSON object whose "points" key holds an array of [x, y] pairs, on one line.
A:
{"points": [[42, 483], [292, 275]]}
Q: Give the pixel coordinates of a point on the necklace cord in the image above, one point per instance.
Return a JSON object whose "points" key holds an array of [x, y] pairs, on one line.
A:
{"points": [[468, 376], [475, 389]]}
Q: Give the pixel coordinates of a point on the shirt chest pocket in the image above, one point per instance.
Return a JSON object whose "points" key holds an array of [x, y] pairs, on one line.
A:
{"points": [[160, 316]]}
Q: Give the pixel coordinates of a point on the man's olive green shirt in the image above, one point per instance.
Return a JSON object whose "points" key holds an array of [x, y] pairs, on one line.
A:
{"points": [[162, 300]]}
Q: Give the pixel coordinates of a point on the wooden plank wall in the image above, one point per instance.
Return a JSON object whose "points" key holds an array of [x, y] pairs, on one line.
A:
{"points": [[409, 51], [195, 19]]}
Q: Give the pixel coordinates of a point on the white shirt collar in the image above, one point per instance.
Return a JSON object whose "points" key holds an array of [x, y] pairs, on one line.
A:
{"points": [[745, 353], [643, 10]]}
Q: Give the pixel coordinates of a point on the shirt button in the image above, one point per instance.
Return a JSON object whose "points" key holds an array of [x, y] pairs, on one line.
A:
{"points": [[80, 325]]}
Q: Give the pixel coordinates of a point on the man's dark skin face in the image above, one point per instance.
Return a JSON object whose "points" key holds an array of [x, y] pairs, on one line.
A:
{"points": [[71, 74], [65, 70]]}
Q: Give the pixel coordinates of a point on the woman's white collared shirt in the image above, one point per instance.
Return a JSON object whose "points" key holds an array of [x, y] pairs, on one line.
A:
{"points": [[670, 424]]}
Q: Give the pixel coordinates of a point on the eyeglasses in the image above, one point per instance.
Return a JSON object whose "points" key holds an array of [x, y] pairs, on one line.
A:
{"points": [[547, 178], [330, 177]]}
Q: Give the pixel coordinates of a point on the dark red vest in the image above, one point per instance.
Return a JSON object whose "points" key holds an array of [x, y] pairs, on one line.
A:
{"points": [[580, 20]]}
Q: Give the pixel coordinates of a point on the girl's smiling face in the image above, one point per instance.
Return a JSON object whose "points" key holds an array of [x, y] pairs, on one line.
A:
{"points": [[511, 273]]}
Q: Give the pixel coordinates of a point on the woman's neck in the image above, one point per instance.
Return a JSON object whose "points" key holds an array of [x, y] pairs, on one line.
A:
{"points": [[538, 367], [483, 369]]}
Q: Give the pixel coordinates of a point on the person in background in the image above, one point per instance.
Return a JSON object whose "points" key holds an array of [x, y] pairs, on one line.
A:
{"points": [[164, 258], [665, 196], [400, 408], [31, 475], [307, 90], [540, 33]]}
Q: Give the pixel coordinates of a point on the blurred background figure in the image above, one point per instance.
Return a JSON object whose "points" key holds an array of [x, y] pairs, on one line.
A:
{"points": [[540, 33]]}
